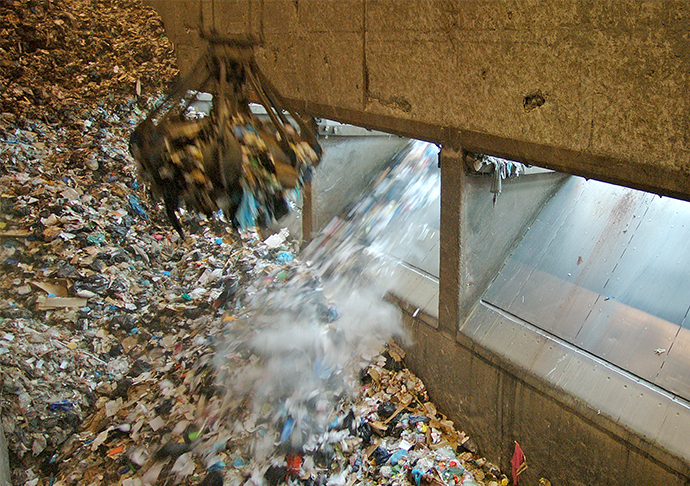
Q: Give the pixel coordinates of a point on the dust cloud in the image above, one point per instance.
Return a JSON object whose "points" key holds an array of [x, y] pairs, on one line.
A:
{"points": [[291, 362]]}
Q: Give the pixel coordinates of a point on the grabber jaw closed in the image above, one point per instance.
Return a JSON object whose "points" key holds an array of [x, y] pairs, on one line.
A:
{"points": [[229, 160]]}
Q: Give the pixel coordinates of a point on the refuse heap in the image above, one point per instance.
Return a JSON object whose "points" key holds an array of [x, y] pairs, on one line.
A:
{"points": [[288, 386], [56, 55], [117, 337], [94, 286], [111, 331]]}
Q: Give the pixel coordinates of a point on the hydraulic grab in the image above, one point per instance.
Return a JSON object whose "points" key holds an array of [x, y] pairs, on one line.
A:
{"points": [[229, 160]]}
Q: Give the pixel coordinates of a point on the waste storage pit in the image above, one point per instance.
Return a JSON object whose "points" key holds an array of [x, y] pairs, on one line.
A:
{"points": [[114, 330]]}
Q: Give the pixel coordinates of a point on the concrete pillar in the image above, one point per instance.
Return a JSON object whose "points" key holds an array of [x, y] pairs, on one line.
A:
{"points": [[453, 269], [478, 232], [4, 460], [307, 214]]}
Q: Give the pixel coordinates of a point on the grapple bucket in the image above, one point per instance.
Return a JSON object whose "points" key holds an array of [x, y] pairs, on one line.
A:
{"points": [[229, 160]]}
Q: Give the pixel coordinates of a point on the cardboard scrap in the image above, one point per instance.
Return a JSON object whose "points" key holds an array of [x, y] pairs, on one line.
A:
{"points": [[17, 233], [49, 288], [45, 303]]}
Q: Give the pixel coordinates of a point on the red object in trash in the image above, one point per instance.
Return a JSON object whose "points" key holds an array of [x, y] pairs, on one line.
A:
{"points": [[294, 462], [518, 462]]}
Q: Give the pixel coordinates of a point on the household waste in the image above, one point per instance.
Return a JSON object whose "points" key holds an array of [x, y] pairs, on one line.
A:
{"points": [[313, 384], [123, 347], [123, 365]]}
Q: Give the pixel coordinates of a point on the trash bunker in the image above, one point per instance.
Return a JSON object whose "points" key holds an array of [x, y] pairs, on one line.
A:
{"points": [[550, 310], [338, 243]]}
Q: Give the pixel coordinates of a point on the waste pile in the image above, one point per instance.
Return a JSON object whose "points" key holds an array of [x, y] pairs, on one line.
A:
{"points": [[92, 283], [131, 356], [56, 55], [119, 369], [312, 385], [288, 387]]}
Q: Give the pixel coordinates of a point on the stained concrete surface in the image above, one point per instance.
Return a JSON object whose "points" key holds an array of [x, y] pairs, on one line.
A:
{"points": [[4, 461], [585, 87]]}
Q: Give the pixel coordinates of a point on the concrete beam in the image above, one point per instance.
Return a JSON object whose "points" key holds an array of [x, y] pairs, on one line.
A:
{"points": [[594, 88]]}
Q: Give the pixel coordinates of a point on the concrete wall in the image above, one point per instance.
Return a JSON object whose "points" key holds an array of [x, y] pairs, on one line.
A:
{"points": [[5, 475], [594, 87]]}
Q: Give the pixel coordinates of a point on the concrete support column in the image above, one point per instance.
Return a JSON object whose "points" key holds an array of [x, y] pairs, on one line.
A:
{"points": [[307, 213], [4, 460], [478, 232], [453, 247]]}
